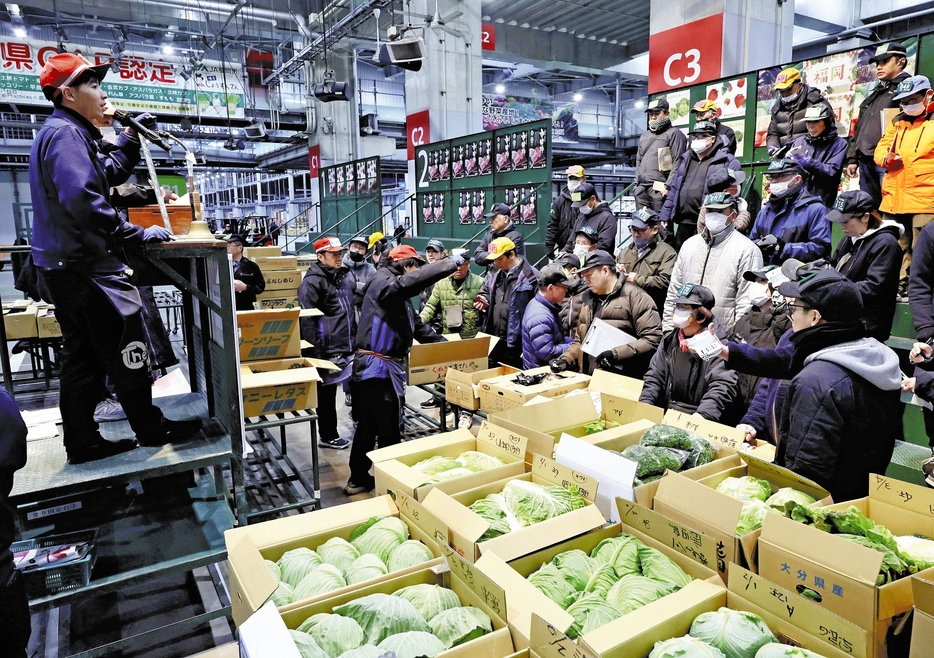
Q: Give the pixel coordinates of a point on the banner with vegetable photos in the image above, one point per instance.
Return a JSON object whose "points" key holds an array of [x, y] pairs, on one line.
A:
{"points": [[504, 111]]}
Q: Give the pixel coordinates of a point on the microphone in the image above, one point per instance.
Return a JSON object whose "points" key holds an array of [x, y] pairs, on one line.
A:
{"points": [[126, 119]]}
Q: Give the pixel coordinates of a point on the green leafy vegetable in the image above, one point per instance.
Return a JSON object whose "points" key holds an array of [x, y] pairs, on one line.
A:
{"points": [[551, 582], [333, 633], [590, 612], [326, 578], [444, 476], [282, 596], [298, 563], [365, 651], [599, 425], [745, 488], [701, 452], [736, 634], [666, 436], [408, 554], [307, 647], [413, 644], [436, 464], [654, 460], [621, 553], [273, 569], [382, 538], [752, 516], [893, 567], [633, 592], [429, 600], [916, 550], [657, 566], [478, 461], [365, 567], [363, 527], [685, 647], [382, 615], [785, 494], [339, 552], [775, 650], [460, 625], [533, 503]]}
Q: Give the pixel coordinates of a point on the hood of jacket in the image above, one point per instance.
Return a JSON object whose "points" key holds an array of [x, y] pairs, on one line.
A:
{"points": [[867, 358], [887, 226], [350, 264]]}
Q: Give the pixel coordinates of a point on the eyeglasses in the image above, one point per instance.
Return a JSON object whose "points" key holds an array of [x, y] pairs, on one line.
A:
{"points": [[640, 231], [801, 306]]}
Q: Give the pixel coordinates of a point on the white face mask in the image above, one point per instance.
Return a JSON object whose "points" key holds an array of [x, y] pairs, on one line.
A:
{"points": [[581, 250], [914, 109], [681, 318], [700, 145], [760, 293], [779, 188], [716, 222], [789, 99], [585, 210], [574, 185]]}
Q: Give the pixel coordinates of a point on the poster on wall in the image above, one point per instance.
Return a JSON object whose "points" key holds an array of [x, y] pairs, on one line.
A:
{"points": [[504, 111], [739, 129], [730, 97], [679, 106]]}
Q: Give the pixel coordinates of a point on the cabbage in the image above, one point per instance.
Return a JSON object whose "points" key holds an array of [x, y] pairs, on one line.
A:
{"points": [[429, 600], [684, 647], [633, 592], [282, 596], [333, 633], [575, 567], [366, 651], [363, 527], [298, 563], [590, 612], [408, 554], [736, 634], [478, 461], [444, 476], [919, 550], [494, 510], [532, 503], [436, 464], [621, 553], [324, 579], [339, 552], [784, 651], [307, 647], [657, 566], [551, 582], [382, 615], [412, 644], [745, 488], [783, 495], [365, 567], [460, 625], [382, 538], [752, 516], [273, 569]]}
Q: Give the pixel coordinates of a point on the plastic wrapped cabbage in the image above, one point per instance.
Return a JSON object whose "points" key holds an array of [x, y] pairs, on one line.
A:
{"points": [[775, 650], [478, 461], [298, 563], [655, 460], [339, 552], [326, 578], [333, 633], [590, 612], [785, 494], [736, 634], [273, 569], [382, 615], [621, 553], [685, 647], [382, 538], [412, 644], [307, 647], [745, 488], [459, 625], [282, 596], [752, 516], [408, 554], [550, 581], [429, 600], [365, 651], [919, 550], [436, 464], [633, 592], [657, 566], [365, 567]]}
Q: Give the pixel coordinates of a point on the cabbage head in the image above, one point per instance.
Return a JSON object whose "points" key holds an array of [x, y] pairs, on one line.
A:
{"points": [[273, 569], [282, 596], [307, 647], [585, 573], [460, 625], [736, 634], [590, 612], [365, 567], [324, 579], [684, 647], [478, 461], [436, 464], [444, 476], [363, 527], [339, 552], [382, 538], [382, 615], [621, 553], [494, 510], [412, 644], [783, 495], [533, 503], [333, 633], [429, 600], [365, 651], [298, 563], [745, 488], [633, 592], [551, 582], [917, 550], [657, 566], [752, 516], [775, 650], [408, 554]]}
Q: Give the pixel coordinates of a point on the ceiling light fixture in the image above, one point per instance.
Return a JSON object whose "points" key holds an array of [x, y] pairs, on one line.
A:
{"points": [[500, 89], [639, 104], [167, 50], [578, 97]]}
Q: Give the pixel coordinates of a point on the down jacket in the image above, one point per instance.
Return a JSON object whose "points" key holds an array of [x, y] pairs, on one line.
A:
{"points": [[787, 123], [652, 269], [718, 263], [603, 221], [800, 220], [909, 189], [445, 293], [543, 339], [711, 388]]}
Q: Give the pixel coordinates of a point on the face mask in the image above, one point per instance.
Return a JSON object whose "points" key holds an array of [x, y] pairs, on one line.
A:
{"points": [[574, 185], [585, 210], [787, 100], [581, 250], [681, 318], [699, 145], [356, 256], [641, 243], [914, 109], [760, 293], [782, 188], [716, 222]]}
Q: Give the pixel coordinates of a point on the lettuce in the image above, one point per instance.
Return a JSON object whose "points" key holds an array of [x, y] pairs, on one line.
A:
{"points": [[298, 563], [621, 553], [339, 552], [550, 581], [429, 600], [307, 647], [478, 461], [684, 647], [324, 579], [633, 592], [382, 615], [892, 568], [736, 634], [590, 612], [785, 494], [752, 516], [745, 488], [657, 566], [365, 567], [775, 650], [459, 625], [916, 550], [412, 644], [333, 633], [382, 538]]}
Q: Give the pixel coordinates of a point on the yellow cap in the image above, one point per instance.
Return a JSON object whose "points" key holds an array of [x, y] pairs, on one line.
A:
{"points": [[575, 170], [375, 237], [787, 78], [704, 106], [500, 246]]}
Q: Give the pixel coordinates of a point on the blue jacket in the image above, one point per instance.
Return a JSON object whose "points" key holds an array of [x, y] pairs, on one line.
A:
{"points": [[543, 339], [522, 293], [770, 395], [74, 224], [822, 158], [800, 221]]}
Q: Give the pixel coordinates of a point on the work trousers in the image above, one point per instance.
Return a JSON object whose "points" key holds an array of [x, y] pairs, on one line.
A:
{"points": [[327, 411], [15, 627], [377, 410], [870, 177]]}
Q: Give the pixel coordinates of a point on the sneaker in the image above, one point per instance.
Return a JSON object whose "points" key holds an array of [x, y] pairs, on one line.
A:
{"points": [[170, 431], [99, 448], [927, 468], [336, 444], [348, 401], [465, 420], [430, 403], [352, 488], [901, 298], [108, 411]]}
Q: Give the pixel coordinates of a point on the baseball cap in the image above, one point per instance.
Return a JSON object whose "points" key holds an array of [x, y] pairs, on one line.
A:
{"points": [[597, 258], [568, 261], [575, 171], [499, 209], [720, 201], [819, 112], [644, 218], [657, 104], [703, 128], [63, 69], [887, 50], [784, 166], [362, 239], [724, 177], [704, 106], [695, 295], [911, 86], [500, 246], [329, 245], [583, 194], [553, 275], [588, 232], [236, 238], [854, 203], [404, 251], [374, 238], [829, 292], [755, 275], [435, 244], [787, 77], [795, 269]]}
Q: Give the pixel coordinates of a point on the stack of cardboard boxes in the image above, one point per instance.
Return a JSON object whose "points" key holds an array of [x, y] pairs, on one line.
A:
{"points": [[24, 319], [282, 275]]}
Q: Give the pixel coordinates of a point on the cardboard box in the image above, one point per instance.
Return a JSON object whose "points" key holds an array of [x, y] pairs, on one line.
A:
{"points": [[524, 599], [47, 324], [261, 252], [393, 465], [463, 388], [274, 263], [465, 527], [271, 387], [716, 515], [922, 632], [282, 280], [272, 334], [248, 546], [21, 322], [304, 261], [429, 363], [501, 393], [844, 574], [730, 437], [276, 299]]}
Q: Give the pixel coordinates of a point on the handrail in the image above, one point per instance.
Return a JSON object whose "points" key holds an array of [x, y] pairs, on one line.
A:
{"points": [[292, 219], [362, 231], [485, 227], [344, 219]]}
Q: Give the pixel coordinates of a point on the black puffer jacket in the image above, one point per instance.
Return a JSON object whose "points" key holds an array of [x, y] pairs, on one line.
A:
{"points": [[873, 264], [560, 222], [716, 162], [480, 253], [603, 221], [331, 291], [787, 122]]}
